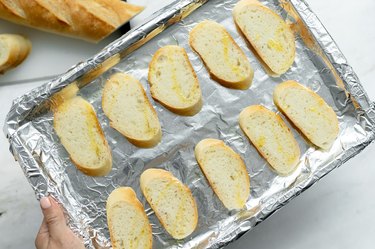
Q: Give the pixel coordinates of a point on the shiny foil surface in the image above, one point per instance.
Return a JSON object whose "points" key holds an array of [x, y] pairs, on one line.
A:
{"points": [[319, 64]]}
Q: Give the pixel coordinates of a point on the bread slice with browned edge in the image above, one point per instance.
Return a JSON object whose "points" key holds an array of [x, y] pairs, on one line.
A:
{"points": [[225, 171], [271, 137], [172, 201], [13, 51], [268, 34], [173, 81], [77, 126], [125, 103], [223, 58], [309, 112], [128, 224]]}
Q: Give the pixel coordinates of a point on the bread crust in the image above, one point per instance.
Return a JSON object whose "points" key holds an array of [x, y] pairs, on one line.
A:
{"points": [[325, 108], [73, 18], [293, 163], [240, 85], [139, 142], [125, 194], [151, 174], [263, 59], [199, 155], [189, 110]]}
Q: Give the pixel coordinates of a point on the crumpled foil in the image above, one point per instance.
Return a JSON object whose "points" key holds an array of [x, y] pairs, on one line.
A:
{"points": [[319, 64]]}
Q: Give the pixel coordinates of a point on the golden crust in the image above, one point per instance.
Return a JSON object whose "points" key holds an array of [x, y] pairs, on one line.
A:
{"points": [[90, 20]]}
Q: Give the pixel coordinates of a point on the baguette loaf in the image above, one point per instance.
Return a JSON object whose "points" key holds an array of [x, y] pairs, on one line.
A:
{"points": [[13, 51], [225, 171], [126, 104], [90, 20], [128, 224], [223, 58], [271, 137], [77, 126], [173, 81], [172, 202], [309, 112], [269, 35]]}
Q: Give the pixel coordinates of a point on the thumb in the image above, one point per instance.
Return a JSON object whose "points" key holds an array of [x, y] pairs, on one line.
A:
{"points": [[53, 216]]}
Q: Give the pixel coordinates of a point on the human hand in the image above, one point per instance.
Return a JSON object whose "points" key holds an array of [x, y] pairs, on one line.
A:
{"points": [[54, 232]]}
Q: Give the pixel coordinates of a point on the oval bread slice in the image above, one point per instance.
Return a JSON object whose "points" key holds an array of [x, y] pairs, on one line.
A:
{"points": [[225, 171], [223, 58], [77, 126], [309, 112], [172, 202], [271, 137], [173, 81], [268, 34], [128, 223], [125, 103]]}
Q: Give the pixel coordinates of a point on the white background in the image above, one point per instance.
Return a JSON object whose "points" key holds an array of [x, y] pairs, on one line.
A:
{"points": [[338, 212]]}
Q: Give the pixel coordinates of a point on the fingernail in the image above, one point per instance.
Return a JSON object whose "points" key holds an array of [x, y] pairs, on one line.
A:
{"points": [[45, 202]]}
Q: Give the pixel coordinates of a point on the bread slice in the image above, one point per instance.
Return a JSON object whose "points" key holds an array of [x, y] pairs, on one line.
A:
{"points": [[268, 34], [271, 137], [172, 202], [225, 171], [128, 224], [13, 51], [126, 104], [223, 58], [173, 81], [309, 112], [77, 126]]}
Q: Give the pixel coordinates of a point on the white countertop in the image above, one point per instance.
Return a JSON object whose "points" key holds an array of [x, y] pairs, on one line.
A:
{"points": [[338, 212]]}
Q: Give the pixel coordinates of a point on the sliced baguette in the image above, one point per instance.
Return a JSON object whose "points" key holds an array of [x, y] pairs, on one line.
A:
{"points": [[223, 58], [77, 126], [267, 33], [225, 171], [172, 201], [309, 112], [14, 49], [128, 224], [173, 81], [87, 19], [126, 104], [271, 137]]}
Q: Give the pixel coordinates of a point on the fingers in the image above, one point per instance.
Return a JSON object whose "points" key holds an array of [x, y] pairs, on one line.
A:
{"points": [[42, 238], [53, 217]]}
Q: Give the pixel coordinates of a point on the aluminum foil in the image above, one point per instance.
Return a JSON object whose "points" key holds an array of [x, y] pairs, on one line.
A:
{"points": [[319, 64]]}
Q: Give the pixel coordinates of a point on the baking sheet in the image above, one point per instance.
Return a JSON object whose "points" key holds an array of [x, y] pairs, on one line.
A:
{"points": [[319, 64]]}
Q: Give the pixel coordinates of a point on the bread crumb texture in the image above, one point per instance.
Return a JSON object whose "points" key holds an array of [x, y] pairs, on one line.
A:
{"points": [[268, 34], [225, 171], [272, 138], [172, 202], [309, 112], [128, 223]]}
